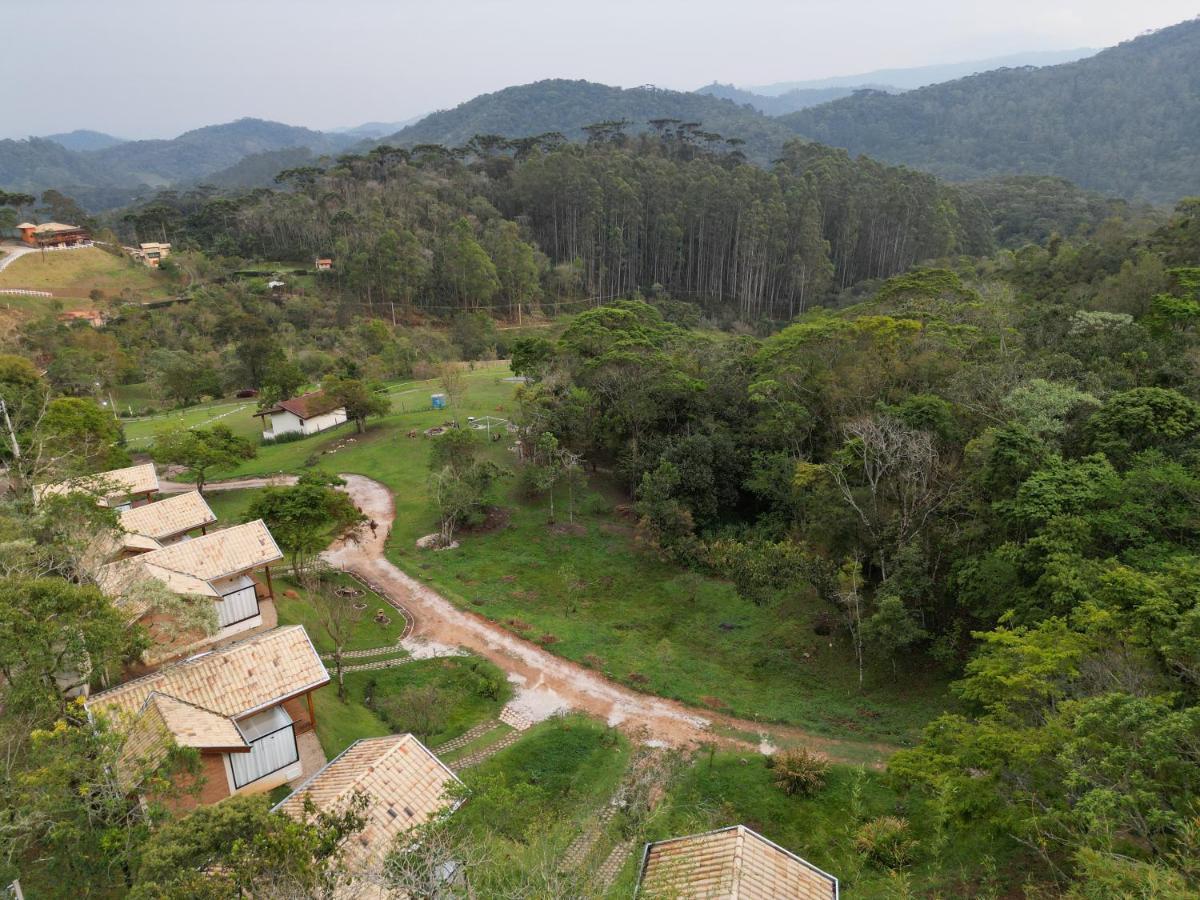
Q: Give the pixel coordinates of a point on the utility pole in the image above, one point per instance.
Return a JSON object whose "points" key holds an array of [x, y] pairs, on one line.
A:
{"points": [[16, 448]]}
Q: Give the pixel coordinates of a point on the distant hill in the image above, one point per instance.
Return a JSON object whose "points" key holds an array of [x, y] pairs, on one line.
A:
{"points": [[197, 153], [566, 106], [789, 101], [82, 139], [377, 129], [920, 76], [1125, 121], [116, 173], [259, 169]]}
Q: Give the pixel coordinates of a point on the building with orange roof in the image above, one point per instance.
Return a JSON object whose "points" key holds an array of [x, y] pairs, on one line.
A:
{"points": [[246, 708]]}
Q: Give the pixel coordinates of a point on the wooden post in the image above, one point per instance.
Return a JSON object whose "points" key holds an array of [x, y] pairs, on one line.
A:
{"points": [[312, 713], [270, 588]]}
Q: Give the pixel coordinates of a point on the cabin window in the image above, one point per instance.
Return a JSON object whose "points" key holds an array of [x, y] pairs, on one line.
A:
{"points": [[272, 743]]}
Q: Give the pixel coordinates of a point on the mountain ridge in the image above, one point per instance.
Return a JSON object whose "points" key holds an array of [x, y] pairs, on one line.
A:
{"points": [[1125, 121]]}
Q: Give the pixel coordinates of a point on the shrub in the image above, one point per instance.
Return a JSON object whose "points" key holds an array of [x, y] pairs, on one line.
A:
{"points": [[886, 840], [800, 771]]}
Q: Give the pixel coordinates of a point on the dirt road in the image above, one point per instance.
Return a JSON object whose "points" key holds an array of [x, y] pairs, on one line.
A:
{"points": [[547, 683]]}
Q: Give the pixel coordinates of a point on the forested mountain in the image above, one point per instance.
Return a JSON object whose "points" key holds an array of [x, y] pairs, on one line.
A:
{"points": [[197, 153], [787, 102], [40, 163], [258, 169], [919, 76], [1126, 121], [1028, 209], [559, 105], [82, 139]]}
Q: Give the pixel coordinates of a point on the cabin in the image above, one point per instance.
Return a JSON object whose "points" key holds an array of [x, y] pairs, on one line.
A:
{"points": [[221, 566], [118, 489], [246, 708], [405, 785], [323, 265], [167, 521], [307, 414], [729, 863], [52, 234], [152, 253]]}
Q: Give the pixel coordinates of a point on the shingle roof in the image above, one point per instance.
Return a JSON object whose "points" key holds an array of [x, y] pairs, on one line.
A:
{"points": [[133, 480], [404, 782], [169, 516], [315, 403], [189, 567], [51, 227], [234, 680], [727, 863], [215, 555]]}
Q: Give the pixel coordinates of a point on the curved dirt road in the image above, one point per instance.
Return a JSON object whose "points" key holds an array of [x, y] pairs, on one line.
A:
{"points": [[547, 683]]}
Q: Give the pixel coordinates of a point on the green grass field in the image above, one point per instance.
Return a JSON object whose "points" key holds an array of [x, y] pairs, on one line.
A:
{"points": [[71, 275], [294, 609], [460, 682], [592, 595], [552, 780]]}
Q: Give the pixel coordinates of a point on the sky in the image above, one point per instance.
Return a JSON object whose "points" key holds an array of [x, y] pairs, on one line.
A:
{"points": [[140, 69]]}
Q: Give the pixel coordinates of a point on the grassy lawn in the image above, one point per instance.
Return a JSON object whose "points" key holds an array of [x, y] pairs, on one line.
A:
{"points": [[74, 274], [734, 789], [294, 609], [237, 414], [597, 598], [470, 691], [554, 778]]}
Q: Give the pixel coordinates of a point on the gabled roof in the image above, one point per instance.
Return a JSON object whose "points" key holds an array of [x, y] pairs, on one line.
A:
{"points": [[405, 785], [168, 517], [114, 483], [314, 403], [189, 566], [50, 227], [233, 681], [732, 862]]}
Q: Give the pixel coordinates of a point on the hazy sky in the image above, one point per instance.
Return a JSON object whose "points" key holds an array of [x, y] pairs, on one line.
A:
{"points": [[153, 69]]}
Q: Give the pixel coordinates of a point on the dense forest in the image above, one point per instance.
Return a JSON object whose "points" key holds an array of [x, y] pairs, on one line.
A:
{"points": [[1122, 121], [617, 215], [991, 468]]}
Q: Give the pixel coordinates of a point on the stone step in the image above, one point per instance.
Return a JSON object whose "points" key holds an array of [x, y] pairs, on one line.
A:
{"points": [[487, 752], [517, 720], [466, 737], [611, 867], [378, 664]]}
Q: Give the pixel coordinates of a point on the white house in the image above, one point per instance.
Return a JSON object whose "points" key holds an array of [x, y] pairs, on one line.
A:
{"points": [[306, 414]]}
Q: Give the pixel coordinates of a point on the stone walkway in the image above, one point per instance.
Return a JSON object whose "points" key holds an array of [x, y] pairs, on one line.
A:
{"points": [[611, 867], [486, 753], [466, 737], [581, 848]]}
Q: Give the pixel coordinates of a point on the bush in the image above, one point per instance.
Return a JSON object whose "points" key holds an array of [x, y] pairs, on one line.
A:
{"points": [[287, 437], [800, 771], [886, 840]]}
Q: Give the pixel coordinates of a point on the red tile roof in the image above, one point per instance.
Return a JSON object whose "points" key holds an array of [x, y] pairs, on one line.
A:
{"points": [[306, 406]]}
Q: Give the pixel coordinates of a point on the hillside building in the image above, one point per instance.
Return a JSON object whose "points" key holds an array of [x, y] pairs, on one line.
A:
{"points": [[52, 234], [306, 414], [246, 708]]}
